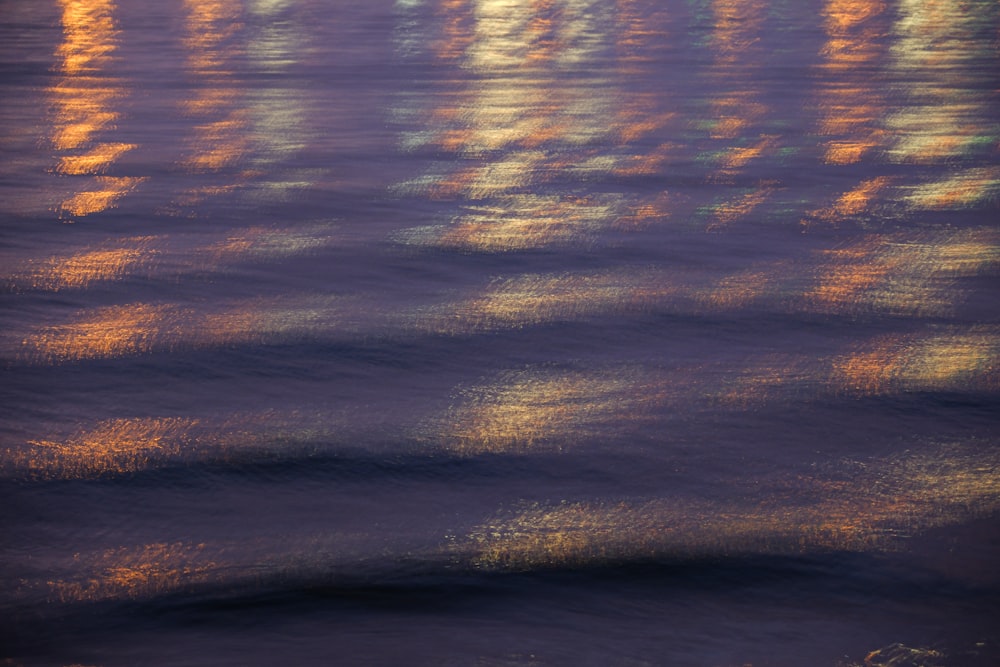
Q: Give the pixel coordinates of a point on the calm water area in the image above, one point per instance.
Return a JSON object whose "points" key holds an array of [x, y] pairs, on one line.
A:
{"points": [[481, 333]]}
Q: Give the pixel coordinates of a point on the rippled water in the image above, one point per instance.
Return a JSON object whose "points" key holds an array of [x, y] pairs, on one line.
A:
{"points": [[521, 332]]}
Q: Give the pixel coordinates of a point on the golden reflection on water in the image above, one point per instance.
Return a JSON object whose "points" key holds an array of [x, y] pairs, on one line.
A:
{"points": [[116, 446], [219, 137], [536, 299], [736, 28], [737, 157], [726, 213], [164, 568], [911, 275], [949, 361], [851, 105], [734, 113], [962, 189], [851, 205], [137, 572], [873, 505], [260, 243], [546, 409], [768, 380], [86, 98], [79, 270], [525, 221], [166, 256], [741, 289], [903, 275], [522, 123], [111, 331], [124, 446], [950, 114], [94, 162], [140, 328], [533, 409], [853, 273], [110, 190], [242, 133]]}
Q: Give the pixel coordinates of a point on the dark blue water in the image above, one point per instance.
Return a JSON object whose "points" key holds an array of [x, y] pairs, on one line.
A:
{"points": [[481, 333]]}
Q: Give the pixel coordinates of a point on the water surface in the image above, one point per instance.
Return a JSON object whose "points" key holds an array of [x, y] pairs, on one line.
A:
{"points": [[462, 332]]}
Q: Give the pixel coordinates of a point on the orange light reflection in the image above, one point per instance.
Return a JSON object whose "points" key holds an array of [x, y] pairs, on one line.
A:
{"points": [[727, 213], [116, 446], [950, 361], [85, 99], [167, 256], [951, 114], [89, 266], [141, 328], [536, 299], [124, 446], [220, 138], [137, 572], [873, 507], [853, 203], [542, 409], [894, 275], [851, 107], [522, 124], [964, 189]]}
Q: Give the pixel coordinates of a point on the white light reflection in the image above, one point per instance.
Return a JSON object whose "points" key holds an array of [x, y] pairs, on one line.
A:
{"points": [[535, 123], [951, 114]]}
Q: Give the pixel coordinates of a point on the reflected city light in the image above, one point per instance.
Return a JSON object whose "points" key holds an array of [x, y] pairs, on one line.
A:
{"points": [[125, 446], [735, 113], [114, 447], [677, 307], [81, 269], [277, 112], [853, 273], [110, 190], [732, 114], [851, 106], [743, 288], [86, 98], [112, 331], [137, 572], [890, 274], [537, 299], [543, 409], [147, 571], [869, 506], [167, 256], [258, 243], [964, 189], [93, 162], [735, 158], [851, 205], [726, 213], [736, 28], [950, 361], [142, 328], [242, 133], [518, 222], [951, 115], [520, 125], [219, 141], [901, 275]]}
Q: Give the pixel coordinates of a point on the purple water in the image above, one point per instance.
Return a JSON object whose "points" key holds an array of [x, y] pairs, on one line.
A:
{"points": [[534, 332]]}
